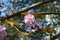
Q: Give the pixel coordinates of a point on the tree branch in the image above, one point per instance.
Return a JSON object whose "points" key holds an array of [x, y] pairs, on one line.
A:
{"points": [[49, 13], [16, 13]]}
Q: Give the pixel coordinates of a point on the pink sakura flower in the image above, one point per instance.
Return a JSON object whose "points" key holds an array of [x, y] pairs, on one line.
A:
{"points": [[3, 33], [29, 19], [35, 27]]}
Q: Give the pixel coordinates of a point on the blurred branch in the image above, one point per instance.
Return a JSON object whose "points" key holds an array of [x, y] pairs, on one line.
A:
{"points": [[49, 13], [16, 13], [19, 14]]}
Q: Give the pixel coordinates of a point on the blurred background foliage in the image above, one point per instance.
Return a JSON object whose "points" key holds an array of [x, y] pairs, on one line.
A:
{"points": [[10, 6]]}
